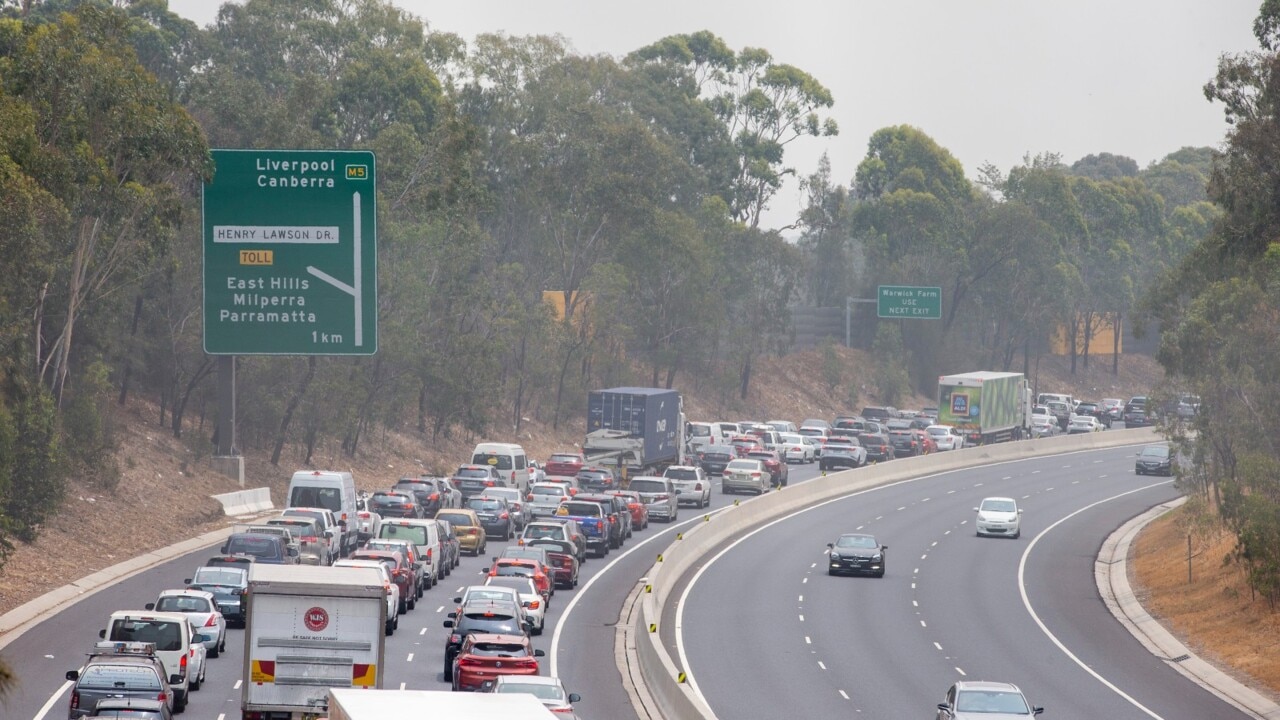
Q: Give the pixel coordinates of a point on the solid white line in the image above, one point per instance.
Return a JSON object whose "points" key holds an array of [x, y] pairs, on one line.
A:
{"points": [[582, 591], [1026, 601], [66, 685], [238, 684], [844, 695]]}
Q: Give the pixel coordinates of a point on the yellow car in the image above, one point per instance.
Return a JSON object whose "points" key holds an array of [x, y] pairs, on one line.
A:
{"points": [[466, 525]]}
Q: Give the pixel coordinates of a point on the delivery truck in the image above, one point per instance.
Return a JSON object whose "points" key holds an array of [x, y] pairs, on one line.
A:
{"points": [[309, 629], [638, 431], [351, 704], [986, 406]]}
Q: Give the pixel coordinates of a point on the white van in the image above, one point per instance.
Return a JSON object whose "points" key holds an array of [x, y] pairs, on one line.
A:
{"points": [[178, 647], [508, 459], [425, 535], [334, 491]]}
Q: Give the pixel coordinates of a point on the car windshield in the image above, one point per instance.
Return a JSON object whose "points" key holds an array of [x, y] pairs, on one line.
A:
{"points": [[991, 701], [415, 534], [999, 506], [521, 585], [455, 518], [749, 465], [1156, 451], [219, 576], [390, 499], [856, 541], [539, 690], [182, 604], [118, 677]]}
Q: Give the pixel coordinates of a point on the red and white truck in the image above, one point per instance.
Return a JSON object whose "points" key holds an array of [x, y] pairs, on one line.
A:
{"points": [[310, 629]]}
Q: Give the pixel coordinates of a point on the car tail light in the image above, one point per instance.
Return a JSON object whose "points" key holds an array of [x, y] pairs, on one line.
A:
{"points": [[697, 486], [488, 483], [455, 638], [75, 699], [504, 516], [434, 496], [429, 551], [309, 538], [527, 663], [182, 665], [755, 474], [535, 604], [212, 621], [470, 662], [561, 710]]}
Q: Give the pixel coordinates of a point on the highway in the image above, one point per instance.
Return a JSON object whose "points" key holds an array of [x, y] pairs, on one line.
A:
{"points": [[579, 644], [800, 643]]}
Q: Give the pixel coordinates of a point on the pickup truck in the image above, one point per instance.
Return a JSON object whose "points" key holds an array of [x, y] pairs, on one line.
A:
{"points": [[593, 518]]}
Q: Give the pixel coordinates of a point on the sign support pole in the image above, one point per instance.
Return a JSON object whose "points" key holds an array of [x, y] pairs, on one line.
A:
{"points": [[226, 456]]}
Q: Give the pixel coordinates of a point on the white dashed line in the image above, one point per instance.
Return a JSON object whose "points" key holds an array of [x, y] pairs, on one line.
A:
{"points": [[237, 685], [800, 599], [423, 631], [440, 609], [1007, 477], [960, 671], [937, 646], [1064, 467], [925, 500], [401, 686], [904, 507], [821, 665], [222, 716], [879, 517], [1075, 482], [947, 532], [410, 658], [1095, 462], [977, 484], [1024, 497], [801, 618], [813, 565], [1035, 472], [934, 544], [915, 571], [844, 695], [1101, 477], [913, 586], [859, 527], [915, 603], [922, 624], [963, 522], [1051, 489], [951, 492], [804, 581], [807, 641], [922, 557]]}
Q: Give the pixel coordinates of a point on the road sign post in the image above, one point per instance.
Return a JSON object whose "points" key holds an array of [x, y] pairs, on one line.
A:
{"points": [[905, 301], [290, 253]]}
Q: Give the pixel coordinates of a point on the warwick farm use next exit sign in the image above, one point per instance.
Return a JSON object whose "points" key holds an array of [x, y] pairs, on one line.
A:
{"points": [[290, 253]]}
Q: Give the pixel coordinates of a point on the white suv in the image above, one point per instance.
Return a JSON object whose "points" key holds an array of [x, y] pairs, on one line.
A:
{"points": [[659, 495], [693, 484]]}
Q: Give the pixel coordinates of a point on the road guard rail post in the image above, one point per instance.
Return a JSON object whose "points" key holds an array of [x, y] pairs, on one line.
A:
{"points": [[665, 681]]}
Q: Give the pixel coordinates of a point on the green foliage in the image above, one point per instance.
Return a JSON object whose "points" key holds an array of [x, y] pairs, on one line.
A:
{"points": [[36, 469], [88, 439], [832, 367], [892, 381]]}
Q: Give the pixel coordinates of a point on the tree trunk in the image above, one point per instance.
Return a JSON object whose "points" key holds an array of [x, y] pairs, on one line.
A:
{"points": [[287, 418], [422, 409], [1115, 343], [312, 436], [1088, 335], [745, 377], [1074, 327], [180, 401], [128, 363]]}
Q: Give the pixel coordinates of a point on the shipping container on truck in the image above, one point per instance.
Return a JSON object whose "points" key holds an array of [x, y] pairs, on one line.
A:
{"points": [[987, 406], [309, 629], [639, 430], [352, 704]]}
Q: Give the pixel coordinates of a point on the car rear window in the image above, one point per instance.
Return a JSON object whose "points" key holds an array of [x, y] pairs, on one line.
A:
{"points": [[519, 584], [485, 504], [175, 603], [502, 462], [715, 456], [649, 486], [473, 473], [555, 490], [682, 474], [219, 576], [263, 546], [322, 497], [565, 458], [416, 534], [543, 531], [386, 499], [455, 518], [166, 635], [122, 677], [499, 649], [580, 508]]}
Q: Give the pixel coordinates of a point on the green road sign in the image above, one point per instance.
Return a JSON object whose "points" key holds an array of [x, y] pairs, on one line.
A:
{"points": [[290, 253], [903, 301]]}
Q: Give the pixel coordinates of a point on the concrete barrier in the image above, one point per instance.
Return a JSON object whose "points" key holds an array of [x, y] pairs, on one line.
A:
{"points": [[666, 681], [245, 502]]}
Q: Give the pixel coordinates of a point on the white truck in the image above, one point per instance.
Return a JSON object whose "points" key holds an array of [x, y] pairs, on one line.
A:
{"points": [[309, 629], [351, 704]]}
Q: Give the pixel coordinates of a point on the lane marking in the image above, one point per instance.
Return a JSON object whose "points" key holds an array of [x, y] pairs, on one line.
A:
{"points": [[904, 507], [915, 603], [238, 684], [801, 618], [423, 631], [844, 695], [925, 500], [807, 641], [582, 591], [821, 665], [801, 599], [933, 544], [1035, 472], [922, 557], [937, 646], [802, 582], [410, 658], [66, 685], [401, 686], [1026, 601], [923, 625], [960, 671], [1007, 477]]}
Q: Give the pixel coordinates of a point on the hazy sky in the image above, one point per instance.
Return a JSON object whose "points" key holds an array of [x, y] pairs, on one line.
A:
{"points": [[990, 80]]}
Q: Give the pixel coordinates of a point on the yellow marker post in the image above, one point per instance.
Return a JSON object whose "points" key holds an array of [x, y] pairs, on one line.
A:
{"points": [[648, 588], [653, 627], [659, 557], [706, 518], [681, 677], [679, 536]]}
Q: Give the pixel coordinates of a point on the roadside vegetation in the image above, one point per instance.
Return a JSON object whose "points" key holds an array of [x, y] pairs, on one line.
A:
{"points": [[628, 190]]}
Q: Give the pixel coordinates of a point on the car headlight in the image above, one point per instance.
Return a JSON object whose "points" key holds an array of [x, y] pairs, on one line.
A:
{"points": [[877, 557]]}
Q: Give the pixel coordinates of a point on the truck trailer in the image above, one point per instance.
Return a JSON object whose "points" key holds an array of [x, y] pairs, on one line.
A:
{"points": [[310, 629], [353, 704], [986, 406], [638, 430]]}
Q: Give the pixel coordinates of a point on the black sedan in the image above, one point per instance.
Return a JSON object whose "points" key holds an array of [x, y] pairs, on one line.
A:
{"points": [[1153, 460], [856, 553]]}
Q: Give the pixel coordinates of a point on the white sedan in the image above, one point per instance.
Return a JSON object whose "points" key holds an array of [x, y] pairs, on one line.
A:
{"points": [[1083, 424], [946, 437], [202, 610], [797, 448], [393, 590]]}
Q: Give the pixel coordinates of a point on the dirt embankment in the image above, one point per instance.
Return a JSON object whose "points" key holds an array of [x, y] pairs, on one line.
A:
{"points": [[163, 496]]}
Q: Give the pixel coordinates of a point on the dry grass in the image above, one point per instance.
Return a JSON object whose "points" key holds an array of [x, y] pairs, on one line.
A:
{"points": [[163, 495], [1214, 613]]}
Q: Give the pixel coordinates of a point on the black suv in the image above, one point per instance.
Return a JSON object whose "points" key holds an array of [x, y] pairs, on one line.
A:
{"points": [[597, 479], [904, 442], [878, 446], [713, 458], [424, 490], [481, 616]]}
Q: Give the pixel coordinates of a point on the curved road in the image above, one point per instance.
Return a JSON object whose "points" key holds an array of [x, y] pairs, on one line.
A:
{"points": [[580, 649], [952, 606]]}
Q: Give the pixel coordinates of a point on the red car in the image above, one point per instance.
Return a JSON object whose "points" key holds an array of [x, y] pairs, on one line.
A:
{"points": [[566, 464], [527, 567], [485, 656], [745, 444], [927, 443], [639, 511], [402, 573], [563, 555], [778, 469]]}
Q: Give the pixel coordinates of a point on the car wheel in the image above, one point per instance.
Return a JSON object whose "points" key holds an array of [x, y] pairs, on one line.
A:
{"points": [[179, 702], [537, 630], [194, 685], [215, 651], [724, 490], [1017, 533], [880, 574], [675, 516], [831, 571], [448, 671]]}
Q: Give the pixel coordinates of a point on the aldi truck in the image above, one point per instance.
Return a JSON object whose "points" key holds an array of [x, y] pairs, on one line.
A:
{"points": [[350, 704], [986, 406], [638, 430], [309, 629]]}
